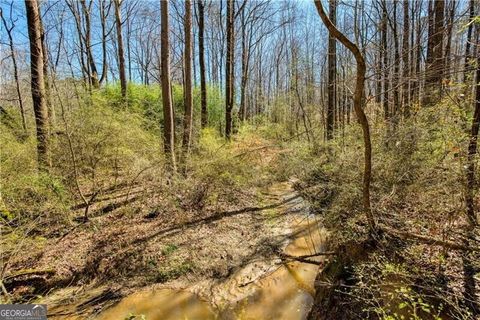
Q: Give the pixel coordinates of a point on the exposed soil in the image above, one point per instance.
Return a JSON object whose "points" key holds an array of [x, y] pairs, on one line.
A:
{"points": [[220, 258], [131, 244]]}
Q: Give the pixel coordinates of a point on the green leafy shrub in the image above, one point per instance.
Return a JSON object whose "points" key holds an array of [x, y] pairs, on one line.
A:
{"points": [[27, 194], [110, 146], [36, 196]]}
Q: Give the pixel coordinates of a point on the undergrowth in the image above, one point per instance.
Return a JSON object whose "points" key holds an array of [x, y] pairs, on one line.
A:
{"points": [[107, 156], [104, 148], [417, 186]]}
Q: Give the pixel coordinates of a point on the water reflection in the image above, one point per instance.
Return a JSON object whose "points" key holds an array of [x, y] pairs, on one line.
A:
{"points": [[161, 305], [287, 293]]}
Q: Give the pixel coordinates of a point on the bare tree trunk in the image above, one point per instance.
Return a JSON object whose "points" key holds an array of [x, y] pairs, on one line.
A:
{"points": [[15, 67], [396, 67], [384, 34], [103, 21], [470, 296], [418, 54], [38, 83], [243, 84], [468, 54], [48, 100], [229, 69], [435, 59], [188, 116], [129, 52], [472, 151], [121, 57], [431, 30], [201, 52], [379, 63], [448, 46], [406, 56], [332, 72], [168, 122], [357, 104], [88, 45]]}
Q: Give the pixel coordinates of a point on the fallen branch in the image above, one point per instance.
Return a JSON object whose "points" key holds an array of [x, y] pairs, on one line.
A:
{"points": [[28, 272], [253, 150], [428, 240], [304, 258]]}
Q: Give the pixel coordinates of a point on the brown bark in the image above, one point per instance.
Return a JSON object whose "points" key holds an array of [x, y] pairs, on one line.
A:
{"points": [[406, 59], [472, 151], [357, 105], [468, 54], [50, 108], [104, 10], [396, 66], [168, 122], [201, 53], [332, 72], [245, 60], [379, 64], [188, 116], [431, 28], [229, 70], [435, 58], [121, 57], [38, 83], [384, 33], [88, 45], [448, 46], [418, 53]]}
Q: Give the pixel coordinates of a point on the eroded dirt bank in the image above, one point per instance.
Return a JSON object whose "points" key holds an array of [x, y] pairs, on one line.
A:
{"points": [[240, 269]]}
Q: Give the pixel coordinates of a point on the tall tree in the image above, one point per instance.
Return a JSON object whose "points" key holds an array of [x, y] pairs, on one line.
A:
{"points": [[229, 69], [396, 65], [201, 53], [81, 11], [472, 151], [332, 72], [92, 67], [418, 51], [168, 122], [435, 58], [244, 72], [358, 100], [384, 42], [38, 82], [406, 56], [121, 57], [14, 62], [468, 45], [104, 12], [470, 296], [449, 32], [188, 116], [50, 107]]}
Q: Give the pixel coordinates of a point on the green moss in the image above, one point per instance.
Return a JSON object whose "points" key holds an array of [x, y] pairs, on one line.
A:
{"points": [[169, 249], [174, 270]]}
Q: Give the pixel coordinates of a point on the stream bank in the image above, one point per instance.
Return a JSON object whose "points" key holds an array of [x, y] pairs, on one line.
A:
{"points": [[262, 286]]}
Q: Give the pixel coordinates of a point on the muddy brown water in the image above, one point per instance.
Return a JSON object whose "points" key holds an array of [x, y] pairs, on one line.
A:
{"points": [[272, 289]]}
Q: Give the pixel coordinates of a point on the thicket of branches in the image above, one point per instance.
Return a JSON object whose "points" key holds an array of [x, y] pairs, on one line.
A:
{"points": [[97, 94]]}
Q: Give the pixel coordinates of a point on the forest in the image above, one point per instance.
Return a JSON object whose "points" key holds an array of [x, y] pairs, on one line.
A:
{"points": [[240, 159]]}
